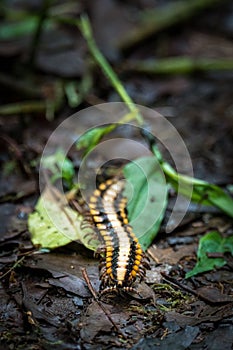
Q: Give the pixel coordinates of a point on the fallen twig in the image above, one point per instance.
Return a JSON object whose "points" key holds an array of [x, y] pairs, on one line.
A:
{"points": [[18, 262], [106, 312], [192, 291]]}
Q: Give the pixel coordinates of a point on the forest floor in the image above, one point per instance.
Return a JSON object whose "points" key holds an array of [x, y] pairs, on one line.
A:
{"points": [[44, 301]]}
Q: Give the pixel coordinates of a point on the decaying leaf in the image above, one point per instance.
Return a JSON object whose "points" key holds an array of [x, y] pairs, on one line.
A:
{"points": [[54, 223]]}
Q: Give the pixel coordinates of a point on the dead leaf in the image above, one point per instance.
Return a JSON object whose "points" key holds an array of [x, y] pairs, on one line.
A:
{"points": [[72, 284], [213, 295], [209, 314], [169, 255]]}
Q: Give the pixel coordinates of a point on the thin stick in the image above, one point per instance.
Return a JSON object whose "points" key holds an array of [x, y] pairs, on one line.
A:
{"points": [[18, 262], [31, 252], [106, 312]]}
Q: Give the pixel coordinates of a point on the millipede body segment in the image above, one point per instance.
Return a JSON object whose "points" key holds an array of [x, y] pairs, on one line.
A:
{"points": [[124, 260]]}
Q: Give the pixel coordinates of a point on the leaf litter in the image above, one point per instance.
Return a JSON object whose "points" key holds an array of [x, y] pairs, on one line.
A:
{"points": [[32, 303]]}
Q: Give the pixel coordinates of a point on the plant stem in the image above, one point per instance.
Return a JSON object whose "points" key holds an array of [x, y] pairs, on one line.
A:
{"points": [[178, 65], [37, 35], [23, 107], [156, 20], [86, 30]]}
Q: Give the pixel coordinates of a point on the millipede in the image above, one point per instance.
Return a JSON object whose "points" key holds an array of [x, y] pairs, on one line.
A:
{"points": [[123, 260]]}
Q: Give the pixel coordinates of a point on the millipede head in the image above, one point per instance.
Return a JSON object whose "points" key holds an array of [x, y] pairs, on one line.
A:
{"points": [[115, 291], [131, 290], [108, 290]]}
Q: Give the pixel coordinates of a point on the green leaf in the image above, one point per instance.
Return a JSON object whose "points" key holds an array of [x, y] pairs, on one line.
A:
{"points": [[200, 191], [50, 225], [60, 167], [149, 200], [212, 242], [92, 137], [18, 24], [54, 223]]}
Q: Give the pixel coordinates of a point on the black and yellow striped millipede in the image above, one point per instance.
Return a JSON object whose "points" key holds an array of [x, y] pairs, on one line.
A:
{"points": [[123, 260]]}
